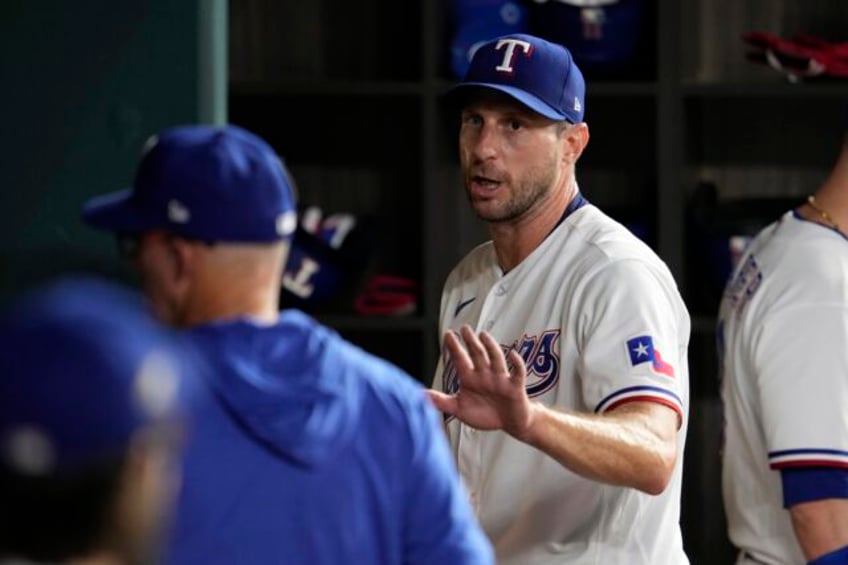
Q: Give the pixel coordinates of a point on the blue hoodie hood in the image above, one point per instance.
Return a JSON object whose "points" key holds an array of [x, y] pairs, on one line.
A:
{"points": [[285, 384], [307, 449]]}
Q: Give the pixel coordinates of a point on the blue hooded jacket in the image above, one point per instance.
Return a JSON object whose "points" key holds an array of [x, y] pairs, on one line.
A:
{"points": [[304, 449]]}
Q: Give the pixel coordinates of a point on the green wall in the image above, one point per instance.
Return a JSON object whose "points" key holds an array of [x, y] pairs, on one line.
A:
{"points": [[82, 85]]}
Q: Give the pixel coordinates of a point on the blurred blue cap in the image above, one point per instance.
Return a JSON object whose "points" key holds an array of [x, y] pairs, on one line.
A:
{"points": [[541, 75], [477, 21], [205, 182], [84, 367]]}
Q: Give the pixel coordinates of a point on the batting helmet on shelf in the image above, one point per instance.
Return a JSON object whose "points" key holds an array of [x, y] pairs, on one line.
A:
{"points": [[602, 35], [328, 256]]}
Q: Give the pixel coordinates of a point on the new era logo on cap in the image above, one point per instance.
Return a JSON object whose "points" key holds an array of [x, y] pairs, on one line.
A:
{"points": [[178, 213], [539, 74], [286, 223], [205, 182]]}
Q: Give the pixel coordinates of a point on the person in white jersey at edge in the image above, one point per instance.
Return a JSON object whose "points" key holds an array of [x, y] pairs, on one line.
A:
{"points": [[571, 443], [783, 334]]}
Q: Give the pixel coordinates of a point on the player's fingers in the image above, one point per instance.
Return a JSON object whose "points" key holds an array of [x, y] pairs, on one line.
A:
{"points": [[475, 348], [457, 352], [517, 369], [446, 403], [494, 352]]}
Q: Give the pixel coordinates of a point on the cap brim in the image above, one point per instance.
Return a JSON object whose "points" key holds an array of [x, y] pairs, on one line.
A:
{"points": [[117, 212], [535, 104]]}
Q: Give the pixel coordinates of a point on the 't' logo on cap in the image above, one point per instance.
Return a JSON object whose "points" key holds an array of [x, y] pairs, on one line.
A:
{"points": [[509, 52]]}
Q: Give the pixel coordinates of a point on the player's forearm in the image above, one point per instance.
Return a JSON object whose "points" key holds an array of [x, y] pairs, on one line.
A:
{"points": [[820, 526], [628, 447]]}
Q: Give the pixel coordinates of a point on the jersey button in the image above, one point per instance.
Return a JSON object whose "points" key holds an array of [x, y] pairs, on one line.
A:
{"points": [[500, 291]]}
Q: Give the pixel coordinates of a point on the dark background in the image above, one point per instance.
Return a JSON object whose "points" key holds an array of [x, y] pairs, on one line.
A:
{"points": [[690, 144]]}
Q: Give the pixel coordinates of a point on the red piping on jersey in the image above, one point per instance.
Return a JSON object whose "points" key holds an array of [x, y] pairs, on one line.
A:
{"points": [[646, 398], [809, 463]]}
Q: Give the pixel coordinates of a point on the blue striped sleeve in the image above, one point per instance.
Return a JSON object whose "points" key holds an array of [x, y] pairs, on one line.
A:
{"points": [[806, 484]]}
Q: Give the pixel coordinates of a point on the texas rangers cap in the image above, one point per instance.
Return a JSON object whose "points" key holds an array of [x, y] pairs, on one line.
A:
{"points": [[204, 182], [541, 75], [84, 367]]}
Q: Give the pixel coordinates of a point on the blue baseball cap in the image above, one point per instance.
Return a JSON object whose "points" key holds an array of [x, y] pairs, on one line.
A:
{"points": [[541, 75], [84, 367], [204, 182]]}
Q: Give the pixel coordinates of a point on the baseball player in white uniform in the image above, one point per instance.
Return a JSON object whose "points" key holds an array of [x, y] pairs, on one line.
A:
{"points": [[564, 375], [783, 334]]}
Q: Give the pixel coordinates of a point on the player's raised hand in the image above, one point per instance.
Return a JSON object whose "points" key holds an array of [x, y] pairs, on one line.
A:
{"points": [[491, 394]]}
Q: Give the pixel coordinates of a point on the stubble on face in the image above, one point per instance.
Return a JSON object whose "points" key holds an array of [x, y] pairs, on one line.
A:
{"points": [[524, 190]]}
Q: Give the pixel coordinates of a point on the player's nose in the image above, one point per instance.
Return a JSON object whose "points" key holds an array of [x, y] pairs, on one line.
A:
{"points": [[483, 144]]}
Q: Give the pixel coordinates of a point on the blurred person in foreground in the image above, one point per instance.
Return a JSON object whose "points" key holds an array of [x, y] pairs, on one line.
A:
{"points": [[306, 449], [90, 424]]}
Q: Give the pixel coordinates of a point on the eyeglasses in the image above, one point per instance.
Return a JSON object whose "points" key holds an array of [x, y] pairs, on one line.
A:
{"points": [[129, 245]]}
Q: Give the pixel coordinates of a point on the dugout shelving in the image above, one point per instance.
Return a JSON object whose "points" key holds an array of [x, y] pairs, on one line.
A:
{"points": [[345, 93], [756, 145], [761, 142], [349, 94], [344, 88]]}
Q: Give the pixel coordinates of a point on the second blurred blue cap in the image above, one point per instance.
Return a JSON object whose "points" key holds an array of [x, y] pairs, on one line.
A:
{"points": [[204, 182], [540, 74], [84, 367]]}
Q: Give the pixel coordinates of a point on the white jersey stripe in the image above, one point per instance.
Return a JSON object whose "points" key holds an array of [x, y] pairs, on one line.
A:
{"points": [[808, 458]]}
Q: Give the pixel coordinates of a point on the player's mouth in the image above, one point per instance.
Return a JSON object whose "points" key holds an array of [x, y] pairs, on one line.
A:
{"points": [[481, 186]]}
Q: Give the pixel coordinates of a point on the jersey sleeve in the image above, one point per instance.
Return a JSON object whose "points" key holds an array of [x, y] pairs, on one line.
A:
{"points": [[631, 344], [440, 525], [801, 359]]}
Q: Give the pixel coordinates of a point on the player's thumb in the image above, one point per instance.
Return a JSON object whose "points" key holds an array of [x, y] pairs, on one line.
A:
{"points": [[443, 402]]}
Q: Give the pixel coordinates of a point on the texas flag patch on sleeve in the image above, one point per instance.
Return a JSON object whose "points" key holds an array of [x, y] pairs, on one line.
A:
{"points": [[642, 350]]}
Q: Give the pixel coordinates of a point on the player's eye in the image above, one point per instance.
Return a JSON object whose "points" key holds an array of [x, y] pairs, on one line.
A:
{"points": [[471, 119], [514, 125]]}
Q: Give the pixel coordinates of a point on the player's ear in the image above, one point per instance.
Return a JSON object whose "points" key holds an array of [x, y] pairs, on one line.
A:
{"points": [[575, 137], [183, 255]]}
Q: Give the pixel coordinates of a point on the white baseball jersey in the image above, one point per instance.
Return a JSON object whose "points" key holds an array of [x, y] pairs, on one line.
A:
{"points": [[783, 333], [599, 322]]}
